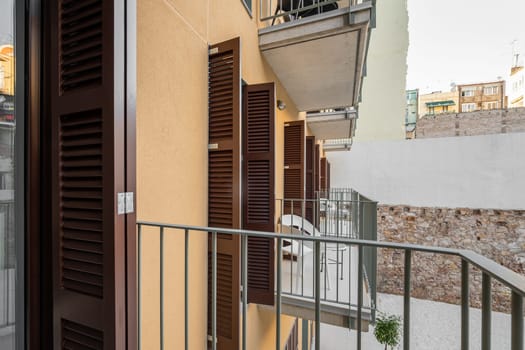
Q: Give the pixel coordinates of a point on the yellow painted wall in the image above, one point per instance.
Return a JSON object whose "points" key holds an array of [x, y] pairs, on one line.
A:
{"points": [[435, 97], [382, 110], [172, 129]]}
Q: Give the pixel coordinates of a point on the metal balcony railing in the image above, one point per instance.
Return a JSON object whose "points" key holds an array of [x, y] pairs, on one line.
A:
{"points": [[279, 11], [489, 269], [338, 213]]}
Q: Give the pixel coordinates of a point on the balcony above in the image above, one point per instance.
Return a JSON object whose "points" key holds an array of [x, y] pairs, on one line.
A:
{"points": [[332, 124], [320, 59]]}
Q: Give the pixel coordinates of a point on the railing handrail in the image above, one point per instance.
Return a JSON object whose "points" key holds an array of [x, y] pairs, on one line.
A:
{"points": [[504, 275], [365, 200]]}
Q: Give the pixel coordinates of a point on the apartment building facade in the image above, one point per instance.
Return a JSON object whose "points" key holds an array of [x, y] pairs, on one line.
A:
{"points": [[516, 87], [438, 103], [482, 96]]}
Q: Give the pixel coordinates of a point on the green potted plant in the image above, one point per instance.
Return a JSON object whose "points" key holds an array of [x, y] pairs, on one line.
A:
{"points": [[388, 330]]}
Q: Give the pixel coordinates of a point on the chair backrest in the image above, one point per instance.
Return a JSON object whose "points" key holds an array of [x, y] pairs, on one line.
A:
{"points": [[300, 223]]}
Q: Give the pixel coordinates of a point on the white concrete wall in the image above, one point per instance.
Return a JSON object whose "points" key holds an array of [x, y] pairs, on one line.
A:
{"points": [[382, 110], [474, 171]]}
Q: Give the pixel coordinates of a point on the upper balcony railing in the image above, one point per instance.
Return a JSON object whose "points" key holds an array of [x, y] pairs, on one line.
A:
{"points": [[279, 11], [490, 270]]}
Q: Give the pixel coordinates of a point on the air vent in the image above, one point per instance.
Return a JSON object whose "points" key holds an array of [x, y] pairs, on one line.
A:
{"points": [[80, 44]]}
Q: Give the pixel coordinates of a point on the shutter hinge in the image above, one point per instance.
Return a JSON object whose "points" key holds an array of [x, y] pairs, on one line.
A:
{"points": [[213, 51], [286, 124], [125, 203], [287, 167], [210, 339], [213, 146]]}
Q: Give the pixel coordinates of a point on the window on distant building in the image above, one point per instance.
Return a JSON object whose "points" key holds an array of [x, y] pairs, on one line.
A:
{"points": [[248, 5], [445, 109], [2, 77], [467, 92], [490, 90], [468, 107], [491, 105], [431, 110]]}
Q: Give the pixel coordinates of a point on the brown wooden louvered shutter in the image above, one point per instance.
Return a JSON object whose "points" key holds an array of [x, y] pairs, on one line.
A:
{"points": [[258, 188], [224, 185], [317, 168], [323, 177], [328, 166], [294, 165], [310, 178], [87, 106]]}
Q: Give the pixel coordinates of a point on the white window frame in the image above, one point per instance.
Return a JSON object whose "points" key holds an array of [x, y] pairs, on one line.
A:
{"points": [[467, 92], [468, 107], [490, 90], [492, 105]]}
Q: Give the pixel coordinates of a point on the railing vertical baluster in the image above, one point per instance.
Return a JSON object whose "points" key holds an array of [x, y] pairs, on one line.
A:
{"points": [[406, 301], [139, 288], [244, 274], [186, 289], [359, 295], [486, 311], [517, 322], [291, 250], [337, 253], [161, 287], [318, 295], [465, 305], [278, 296], [214, 291], [302, 252]]}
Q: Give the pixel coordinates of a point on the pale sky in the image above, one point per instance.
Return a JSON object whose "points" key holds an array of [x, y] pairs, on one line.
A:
{"points": [[462, 41]]}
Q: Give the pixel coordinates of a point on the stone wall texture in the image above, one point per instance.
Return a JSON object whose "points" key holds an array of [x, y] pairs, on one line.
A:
{"points": [[495, 234], [499, 121]]}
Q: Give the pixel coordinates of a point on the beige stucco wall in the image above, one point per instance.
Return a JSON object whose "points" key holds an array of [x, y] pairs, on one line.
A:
{"points": [[382, 110], [172, 129]]}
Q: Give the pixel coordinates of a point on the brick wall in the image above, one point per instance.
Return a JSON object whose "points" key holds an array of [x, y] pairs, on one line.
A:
{"points": [[496, 234], [468, 124]]}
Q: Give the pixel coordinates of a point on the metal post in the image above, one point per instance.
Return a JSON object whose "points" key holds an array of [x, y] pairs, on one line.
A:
{"points": [[406, 306], [465, 305], [244, 274], [486, 312], [278, 296], [291, 252], [161, 304], [139, 282], [517, 322], [214, 291], [318, 295], [186, 289], [359, 295]]}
